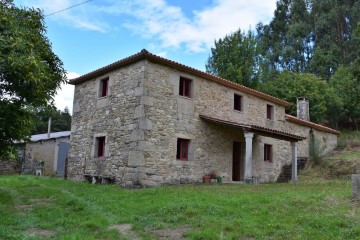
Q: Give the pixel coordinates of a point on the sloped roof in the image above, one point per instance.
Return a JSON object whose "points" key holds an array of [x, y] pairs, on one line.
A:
{"points": [[144, 54], [268, 132], [44, 136], [311, 124]]}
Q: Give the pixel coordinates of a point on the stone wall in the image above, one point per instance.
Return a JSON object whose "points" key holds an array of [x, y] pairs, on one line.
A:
{"points": [[10, 166], [143, 117], [117, 117]]}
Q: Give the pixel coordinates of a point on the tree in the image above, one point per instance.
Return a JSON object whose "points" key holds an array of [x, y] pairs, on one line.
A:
{"points": [[235, 58], [30, 73], [347, 89], [333, 34], [289, 86], [314, 36], [285, 42], [60, 120]]}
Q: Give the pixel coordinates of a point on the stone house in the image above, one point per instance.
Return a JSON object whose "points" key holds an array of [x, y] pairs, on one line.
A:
{"points": [[46, 152], [146, 120]]}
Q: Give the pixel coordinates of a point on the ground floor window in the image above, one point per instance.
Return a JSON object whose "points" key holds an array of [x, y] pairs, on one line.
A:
{"points": [[267, 153], [100, 147], [182, 149]]}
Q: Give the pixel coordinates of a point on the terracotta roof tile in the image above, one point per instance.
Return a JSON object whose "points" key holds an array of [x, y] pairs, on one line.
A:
{"points": [[311, 124], [257, 129], [144, 54]]}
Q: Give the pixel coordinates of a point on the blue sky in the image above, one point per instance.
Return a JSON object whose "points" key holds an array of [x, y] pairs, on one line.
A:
{"points": [[100, 32]]}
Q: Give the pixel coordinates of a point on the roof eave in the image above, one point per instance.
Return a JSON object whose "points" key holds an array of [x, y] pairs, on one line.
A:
{"points": [[144, 54], [311, 124]]}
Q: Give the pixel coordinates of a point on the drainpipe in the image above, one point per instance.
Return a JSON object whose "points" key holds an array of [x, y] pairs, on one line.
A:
{"points": [[49, 128]]}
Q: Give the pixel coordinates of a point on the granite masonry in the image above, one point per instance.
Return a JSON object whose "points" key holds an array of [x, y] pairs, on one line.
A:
{"points": [[146, 120]]}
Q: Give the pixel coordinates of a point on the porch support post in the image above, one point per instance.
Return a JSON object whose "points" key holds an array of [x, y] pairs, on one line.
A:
{"points": [[293, 162], [248, 156]]}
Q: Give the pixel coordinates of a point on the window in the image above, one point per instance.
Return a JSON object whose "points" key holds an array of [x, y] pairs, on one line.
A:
{"points": [[100, 147], [185, 87], [270, 112], [104, 87], [267, 153], [182, 150], [237, 102]]}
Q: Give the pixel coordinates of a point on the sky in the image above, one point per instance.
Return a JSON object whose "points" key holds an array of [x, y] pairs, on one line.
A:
{"points": [[99, 32]]}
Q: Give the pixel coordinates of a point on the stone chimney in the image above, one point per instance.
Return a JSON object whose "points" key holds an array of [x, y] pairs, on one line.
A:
{"points": [[303, 109]]}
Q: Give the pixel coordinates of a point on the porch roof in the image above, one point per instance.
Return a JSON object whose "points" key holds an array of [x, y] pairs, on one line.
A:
{"points": [[263, 131]]}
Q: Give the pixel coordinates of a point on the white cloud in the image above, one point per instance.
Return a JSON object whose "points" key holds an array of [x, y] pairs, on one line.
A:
{"points": [[78, 17], [169, 25], [65, 95], [166, 25]]}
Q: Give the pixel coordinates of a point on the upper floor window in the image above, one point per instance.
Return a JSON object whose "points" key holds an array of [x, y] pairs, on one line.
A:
{"points": [[182, 149], [237, 102], [185, 87], [100, 147], [104, 87], [270, 112], [268, 153]]}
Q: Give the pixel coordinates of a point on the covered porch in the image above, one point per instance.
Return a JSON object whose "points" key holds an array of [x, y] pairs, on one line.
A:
{"points": [[246, 174]]}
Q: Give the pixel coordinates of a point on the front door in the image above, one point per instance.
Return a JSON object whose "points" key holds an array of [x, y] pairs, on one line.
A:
{"points": [[62, 154], [238, 163]]}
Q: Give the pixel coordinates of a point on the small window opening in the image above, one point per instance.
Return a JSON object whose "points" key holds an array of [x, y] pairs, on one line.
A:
{"points": [[182, 151], [185, 87], [104, 87], [267, 153], [237, 102], [270, 112], [100, 146]]}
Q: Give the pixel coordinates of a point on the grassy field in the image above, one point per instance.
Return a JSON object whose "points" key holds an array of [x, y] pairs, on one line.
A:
{"points": [[319, 207], [48, 208]]}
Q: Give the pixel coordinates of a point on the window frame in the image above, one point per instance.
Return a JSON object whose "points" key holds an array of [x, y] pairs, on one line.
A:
{"points": [[100, 147], [270, 112], [185, 87], [104, 87], [181, 144], [238, 102], [268, 153]]}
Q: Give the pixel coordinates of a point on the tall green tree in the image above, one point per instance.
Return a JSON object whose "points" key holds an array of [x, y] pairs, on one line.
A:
{"points": [[315, 36], [347, 89], [333, 34], [30, 73], [286, 41], [235, 58]]}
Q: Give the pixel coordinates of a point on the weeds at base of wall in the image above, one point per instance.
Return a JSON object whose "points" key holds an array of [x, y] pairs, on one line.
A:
{"points": [[316, 153]]}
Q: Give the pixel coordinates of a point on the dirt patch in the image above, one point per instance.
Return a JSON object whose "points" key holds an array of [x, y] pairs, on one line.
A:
{"points": [[23, 206], [41, 201], [331, 200], [125, 230], [171, 233], [40, 232]]}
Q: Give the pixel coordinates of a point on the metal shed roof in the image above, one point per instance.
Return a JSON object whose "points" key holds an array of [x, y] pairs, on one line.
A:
{"points": [[44, 136]]}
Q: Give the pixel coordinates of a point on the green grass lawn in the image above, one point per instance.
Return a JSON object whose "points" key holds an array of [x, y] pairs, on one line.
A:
{"points": [[49, 208]]}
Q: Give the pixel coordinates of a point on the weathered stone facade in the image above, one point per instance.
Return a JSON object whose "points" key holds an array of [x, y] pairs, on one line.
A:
{"points": [[143, 116]]}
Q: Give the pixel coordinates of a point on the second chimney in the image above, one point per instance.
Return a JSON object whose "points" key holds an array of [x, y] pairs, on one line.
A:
{"points": [[303, 108]]}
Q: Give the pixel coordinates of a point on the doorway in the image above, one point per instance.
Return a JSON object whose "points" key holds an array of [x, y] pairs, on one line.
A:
{"points": [[238, 163], [63, 149]]}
